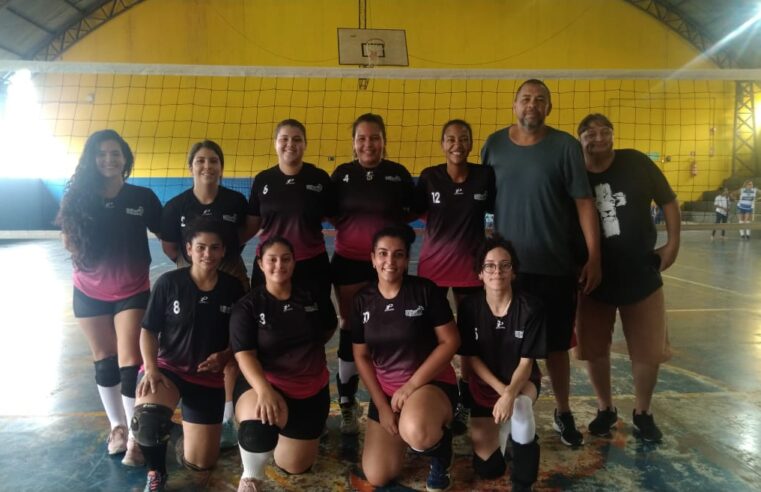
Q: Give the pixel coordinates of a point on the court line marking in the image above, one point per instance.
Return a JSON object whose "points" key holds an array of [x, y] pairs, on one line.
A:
{"points": [[710, 287], [714, 310]]}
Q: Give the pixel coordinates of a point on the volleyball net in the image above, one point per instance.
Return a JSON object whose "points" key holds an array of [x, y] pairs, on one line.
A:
{"points": [[682, 120]]}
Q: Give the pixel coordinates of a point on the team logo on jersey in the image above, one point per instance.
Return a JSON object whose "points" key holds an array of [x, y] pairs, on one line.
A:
{"points": [[206, 212], [290, 181], [109, 205], [182, 221], [458, 191], [262, 320], [500, 325], [316, 188], [480, 196], [312, 309], [176, 307], [230, 218], [287, 308], [265, 190], [365, 317], [389, 308], [518, 333], [368, 176], [394, 179], [135, 211], [203, 300], [225, 309], [414, 313]]}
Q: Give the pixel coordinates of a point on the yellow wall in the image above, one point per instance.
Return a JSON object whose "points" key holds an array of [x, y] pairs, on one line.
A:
{"points": [[162, 116]]}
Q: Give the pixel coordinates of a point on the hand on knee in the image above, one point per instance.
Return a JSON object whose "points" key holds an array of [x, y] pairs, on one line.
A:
{"points": [[523, 426]]}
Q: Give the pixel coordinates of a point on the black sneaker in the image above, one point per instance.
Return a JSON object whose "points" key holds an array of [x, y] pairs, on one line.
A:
{"points": [[604, 422], [645, 428], [566, 426], [460, 420]]}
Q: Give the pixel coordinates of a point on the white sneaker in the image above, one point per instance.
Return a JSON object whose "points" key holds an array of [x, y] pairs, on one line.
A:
{"points": [[247, 485], [117, 440], [133, 456]]}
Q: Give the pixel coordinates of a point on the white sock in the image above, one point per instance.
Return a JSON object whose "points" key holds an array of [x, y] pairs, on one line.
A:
{"points": [[254, 463], [504, 432], [523, 425], [742, 231], [228, 412], [346, 369], [111, 396], [129, 410]]}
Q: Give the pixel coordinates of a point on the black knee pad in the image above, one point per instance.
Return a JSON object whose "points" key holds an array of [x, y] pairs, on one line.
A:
{"points": [[107, 372], [151, 424], [442, 449], [128, 376], [344, 346], [491, 468], [525, 462], [348, 388], [256, 437]]}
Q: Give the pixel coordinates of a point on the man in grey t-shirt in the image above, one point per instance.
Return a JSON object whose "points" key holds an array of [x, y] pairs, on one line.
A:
{"points": [[543, 205]]}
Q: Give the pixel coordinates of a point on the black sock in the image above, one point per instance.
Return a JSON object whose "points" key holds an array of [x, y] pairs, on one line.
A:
{"points": [[155, 457]]}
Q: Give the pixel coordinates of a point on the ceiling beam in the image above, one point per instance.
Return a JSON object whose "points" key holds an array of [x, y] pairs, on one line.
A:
{"points": [[29, 20]]}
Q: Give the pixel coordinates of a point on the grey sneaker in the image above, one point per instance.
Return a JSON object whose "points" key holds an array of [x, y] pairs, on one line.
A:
{"points": [[117, 440], [229, 437], [350, 414]]}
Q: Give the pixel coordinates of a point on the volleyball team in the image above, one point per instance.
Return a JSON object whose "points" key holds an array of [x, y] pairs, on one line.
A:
{"points": [[571, 247]]}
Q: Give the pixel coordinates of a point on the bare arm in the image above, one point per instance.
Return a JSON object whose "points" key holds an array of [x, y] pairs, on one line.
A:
{"points": [[591, 273], [249, 229], [171, 250], [366, 370], [269, 405], [669, 251], [149, 349]]}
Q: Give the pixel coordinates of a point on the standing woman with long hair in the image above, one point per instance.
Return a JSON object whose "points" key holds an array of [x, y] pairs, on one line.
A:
{"points": [[208, 198], [453, 199], [372, 193], [104, 222], [290, 200]]}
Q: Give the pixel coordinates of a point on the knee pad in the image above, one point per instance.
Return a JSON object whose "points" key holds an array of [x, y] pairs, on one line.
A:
{"points": [[128, 376], [344, 346], [107, 372], [525, 462], [491, 468], [442, 449], [522, 424], [151, 424], [256, 437]]}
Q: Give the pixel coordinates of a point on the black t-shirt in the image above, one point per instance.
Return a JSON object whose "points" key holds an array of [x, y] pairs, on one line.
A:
{"points": [[229, 207], [367, 201], [191, 324], [288, 337], [454, 222], [400, 332], [293, 207], [501, 341], [623, 194]]}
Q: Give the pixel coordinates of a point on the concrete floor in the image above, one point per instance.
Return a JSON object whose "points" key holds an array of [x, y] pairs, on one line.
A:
{"points": [[707, 403]]}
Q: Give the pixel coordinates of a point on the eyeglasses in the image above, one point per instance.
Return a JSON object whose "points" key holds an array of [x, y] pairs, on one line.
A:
{"points": [[503, 266]]}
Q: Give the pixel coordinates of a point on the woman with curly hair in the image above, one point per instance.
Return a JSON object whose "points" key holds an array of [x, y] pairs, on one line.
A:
{"points": [[104, 221]]}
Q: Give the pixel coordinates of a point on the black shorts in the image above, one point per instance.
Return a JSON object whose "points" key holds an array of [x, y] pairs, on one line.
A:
{"points": [[559, 294], [348, 272], [199, 404], [312, 274], [87, 307], [477, 410], [449, 389], [306, 416]]}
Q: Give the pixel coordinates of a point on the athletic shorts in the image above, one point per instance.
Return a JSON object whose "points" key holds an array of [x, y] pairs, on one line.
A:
{"points": [[306, 416], [559, 295], [348, 272], [87, 307], [477, 410], [199, 404], [744, 210], [312, 274], [644, 325], [449, 389]]}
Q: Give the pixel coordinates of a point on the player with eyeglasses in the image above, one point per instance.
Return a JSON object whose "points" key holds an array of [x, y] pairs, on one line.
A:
{"points": [[503, 332]]}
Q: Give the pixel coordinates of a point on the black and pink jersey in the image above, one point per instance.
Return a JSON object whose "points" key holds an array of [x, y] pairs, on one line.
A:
{"points": [[293, 207], [400, 332], [229, 207], [454, 222], [501, 341], [122, 222], [288, 337], [191, 324], [369, 200]]}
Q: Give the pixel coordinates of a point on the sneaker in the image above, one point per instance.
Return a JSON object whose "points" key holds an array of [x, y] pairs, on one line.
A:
{"points": [[350, 414], [117, 440], [229, 438], [604, 422], [645, 428], [133, 456], [247, 485], [460, 420], [566, 426], [156, 482], [438, 475]]}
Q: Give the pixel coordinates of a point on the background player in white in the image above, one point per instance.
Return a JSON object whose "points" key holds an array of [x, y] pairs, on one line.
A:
{"points": [[721, 207], [404, 338], [103, 221], [626, 181], [746, 204]]}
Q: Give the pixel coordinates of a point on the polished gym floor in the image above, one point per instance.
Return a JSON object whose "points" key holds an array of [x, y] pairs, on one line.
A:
{"points": [[707, 403]]}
